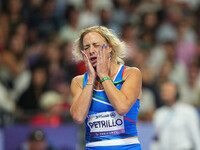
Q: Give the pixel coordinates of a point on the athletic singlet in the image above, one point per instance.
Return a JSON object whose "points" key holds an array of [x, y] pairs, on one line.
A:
{"points": [[103, 122]]}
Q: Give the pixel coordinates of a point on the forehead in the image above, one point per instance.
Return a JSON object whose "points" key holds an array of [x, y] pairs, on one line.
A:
{"points": [[169, 86], [93, 37]]}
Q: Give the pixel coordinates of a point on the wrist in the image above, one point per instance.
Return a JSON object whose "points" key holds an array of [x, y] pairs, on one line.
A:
{"points": [[91, 78], [105, 78], [91, 81]]}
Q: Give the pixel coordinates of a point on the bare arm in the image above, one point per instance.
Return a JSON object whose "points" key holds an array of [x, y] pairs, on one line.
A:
{"points": [[81, 100], [122, 100]]}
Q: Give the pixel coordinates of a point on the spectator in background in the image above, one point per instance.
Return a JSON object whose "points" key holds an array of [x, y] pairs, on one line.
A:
{"points": [[67, 61], [51, 104], [150, 100], [129, 36], [176, 123], [36, 140], [149, 22], [197, 57], [122, 11], [69, 32], [88, 16], [186, 47], [4, 30], [106, 20], [13, 70], [44, 22], [15, 14], [167, 29], [191, 92], [28, 102], [171, 68], [56, 73]]}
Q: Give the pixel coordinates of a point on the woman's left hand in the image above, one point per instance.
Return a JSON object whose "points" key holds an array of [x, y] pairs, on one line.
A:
{"points": [[103, 62]]}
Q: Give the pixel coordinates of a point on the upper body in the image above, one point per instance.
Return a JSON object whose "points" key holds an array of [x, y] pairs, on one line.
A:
{"points": [[177, 127], [101, 54], [176, 124]]}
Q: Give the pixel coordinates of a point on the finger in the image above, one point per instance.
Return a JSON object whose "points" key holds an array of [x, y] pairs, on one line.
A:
{"points": [[101, 51], [86, 60], [105, 52], [98, 56], [84, 56]]}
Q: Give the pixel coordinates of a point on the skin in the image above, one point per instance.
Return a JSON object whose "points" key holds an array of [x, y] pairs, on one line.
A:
{"points": [[94, 45], [168, 93]]}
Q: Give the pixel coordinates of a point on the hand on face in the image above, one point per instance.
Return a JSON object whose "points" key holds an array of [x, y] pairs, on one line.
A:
{"points": [[96, 54], [89, 66], [103, 62]]}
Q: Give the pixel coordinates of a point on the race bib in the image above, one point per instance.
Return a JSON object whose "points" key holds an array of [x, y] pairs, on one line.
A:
{"points": [[106, 123]]}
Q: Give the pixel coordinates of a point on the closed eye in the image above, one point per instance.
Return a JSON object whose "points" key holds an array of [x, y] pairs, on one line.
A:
{"points": [[96, 45], [85, 48]]}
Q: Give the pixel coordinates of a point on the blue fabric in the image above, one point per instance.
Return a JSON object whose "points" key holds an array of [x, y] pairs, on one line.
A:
{"points": [[119, 147], [98, 107]]}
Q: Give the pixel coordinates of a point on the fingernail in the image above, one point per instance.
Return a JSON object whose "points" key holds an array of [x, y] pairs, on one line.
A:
{"points": [[105, 46], [98, 51]]}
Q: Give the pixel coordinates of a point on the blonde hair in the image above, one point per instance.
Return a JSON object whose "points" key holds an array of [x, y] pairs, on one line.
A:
{"points": [[118, 47]]}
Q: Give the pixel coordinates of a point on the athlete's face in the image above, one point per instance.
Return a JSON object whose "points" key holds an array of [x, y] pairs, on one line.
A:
{"points": [[92, 43]]}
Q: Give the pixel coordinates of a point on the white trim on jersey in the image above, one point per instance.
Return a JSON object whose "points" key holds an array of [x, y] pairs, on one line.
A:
{"points": [[115, 142], [100, 101]]}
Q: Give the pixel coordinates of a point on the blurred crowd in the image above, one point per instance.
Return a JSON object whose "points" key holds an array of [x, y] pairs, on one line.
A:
{"points": [[36, 43]]}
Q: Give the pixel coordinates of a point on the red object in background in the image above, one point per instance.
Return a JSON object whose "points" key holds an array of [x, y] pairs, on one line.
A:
{"points": [[43, 121], [81, 68], [49, 120], [66, 106]]}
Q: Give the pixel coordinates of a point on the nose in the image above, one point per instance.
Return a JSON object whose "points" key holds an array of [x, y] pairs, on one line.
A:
{"points": [[92, 50]]}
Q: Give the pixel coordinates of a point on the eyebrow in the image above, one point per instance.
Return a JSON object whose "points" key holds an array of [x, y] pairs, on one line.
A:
{"points": [[92, 43]]}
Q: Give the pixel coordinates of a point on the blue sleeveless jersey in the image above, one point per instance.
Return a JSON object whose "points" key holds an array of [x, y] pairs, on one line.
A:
{"points": [[100, 104]]}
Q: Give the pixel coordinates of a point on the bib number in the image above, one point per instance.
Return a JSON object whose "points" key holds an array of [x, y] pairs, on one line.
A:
{"points": [[106, 123]]}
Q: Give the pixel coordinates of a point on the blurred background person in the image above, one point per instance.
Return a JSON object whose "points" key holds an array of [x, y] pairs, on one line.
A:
{"points": [[176, 123], [70, 30], [52, 106], [28, 102], [36, 140]]}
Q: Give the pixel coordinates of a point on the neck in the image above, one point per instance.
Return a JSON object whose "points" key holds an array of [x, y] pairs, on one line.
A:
{"points": [[113, 69], [171, 104]]}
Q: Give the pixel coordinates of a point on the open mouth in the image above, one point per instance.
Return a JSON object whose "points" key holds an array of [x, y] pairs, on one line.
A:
{"points": [[93, 59]]}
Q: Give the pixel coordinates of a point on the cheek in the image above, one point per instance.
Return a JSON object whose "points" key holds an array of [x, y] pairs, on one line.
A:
{"points": [[109, 49], [87, 53]]}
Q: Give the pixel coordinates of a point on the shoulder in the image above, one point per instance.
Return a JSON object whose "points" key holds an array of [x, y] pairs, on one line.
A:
{"points": [[78, 81], [133, 71], [186, 108]]}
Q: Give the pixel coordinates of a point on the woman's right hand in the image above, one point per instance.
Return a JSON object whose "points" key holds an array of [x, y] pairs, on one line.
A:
{"points": [[89, 68]]}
